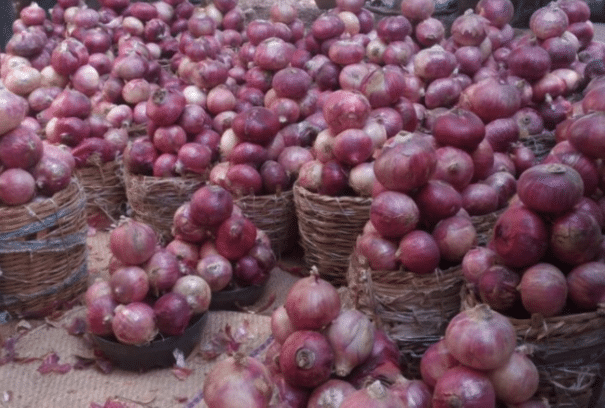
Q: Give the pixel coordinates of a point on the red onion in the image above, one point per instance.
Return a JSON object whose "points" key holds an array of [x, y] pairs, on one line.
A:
{"points": [[586, 285], [418, 252], [211, 205], [442, 92], [52, 175], [71, 103], [379, 252], [292, 158], [407, 165], [548, 21], [469, 29], [330, 394], [345, 110], [476, 262], [497, 287], [498, 12], [491, 99], [384, 360], [20, 148], [99, 315], [333, 179], [530, 62], [306, 359], [312, 303], [459, 128], [394, 214], [129, 284], [352, 146], [479, 199], [575, 238], [281, 325], [437, 200], [238, 381], [413, 393], [463, 387], [483, 160], [434, 62], [68, 56], [550, 188], [248, 271], [587, 133], [417, 10], [133, 242], [362, 178], [429, 32], [162, 270], [164, 106], [196, 291], [454, 166], [17, 187], [243, 179], [501, 133], [480, 338], [193, 157], [351, 336], [455, 236], [139, 156], [133, 324], [273, 54], [216, 270], [516, 381], [435, 361], [375, 395], [235, 237], [543, 290], [172, 314], [257, 124]]}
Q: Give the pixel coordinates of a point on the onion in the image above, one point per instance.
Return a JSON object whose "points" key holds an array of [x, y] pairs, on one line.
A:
{"points": [[476, 262], [543, 290], [434, 62], [71, 103], [196, 291], [129, 284], [164, 106], [442, 92], [292, 158], [257, 125], [469, 29], [216, 270], [132, 242], [211, 205], [17, 187], [548, 21], [352, 146], [238, 381], [133, 324], [417, 10], [435, 361], [459, 128], [139, 156], [575, 238], [362, 178], [306, 359], [455, 236], [186, 253], [330, 394], [20, 148], [351, 336], [586, 285], [413, 393], [479, 199], [498, 12], [346, 109], [516, 381], [384, 360], [52, 175], [587, 134], [461, 386], [248, 271], [312, 303], [454, 166], [235, 237], [162, 270], [497, 287], [418, 252], [172, 314], [501, 133], [480, 338], [550, 188], [491, 99], [333, 179], [407, 165], [394, 214], [429, 32], [437, 200], [281, 325], [379, 252], [99, 315], [375, 395]]}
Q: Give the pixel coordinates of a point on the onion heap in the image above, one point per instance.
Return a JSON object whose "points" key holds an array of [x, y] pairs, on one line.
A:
{"points": [[322, 355], [477, 364], [146, 293]]}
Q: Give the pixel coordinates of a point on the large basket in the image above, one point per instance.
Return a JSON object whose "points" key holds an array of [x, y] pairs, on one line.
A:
{"points": [[412, 309], [568, 350], [43, 252], [275, 215], [484, 225], [540, 144], [154, 200], [103, 185], [328, 228]]}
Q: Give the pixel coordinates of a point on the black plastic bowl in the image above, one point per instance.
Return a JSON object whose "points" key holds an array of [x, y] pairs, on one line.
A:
{"points": [[156, 354], [235, 299]]}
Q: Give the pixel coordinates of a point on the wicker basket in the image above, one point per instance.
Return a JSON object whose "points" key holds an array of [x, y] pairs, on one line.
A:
{"points": [[103, 185], [412, 309], [484, 225], [328, 228], [540, 144], [568, 350], [154, 200], [43, 252], [274, 214]]}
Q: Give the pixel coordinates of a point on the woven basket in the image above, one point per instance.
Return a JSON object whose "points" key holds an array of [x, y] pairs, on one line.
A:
{"points": [[484, 225], [568, 350], [154, 200], [540, 144], [103, 185], [412, 309], [43, 252], [328, 228], [275, 215]]}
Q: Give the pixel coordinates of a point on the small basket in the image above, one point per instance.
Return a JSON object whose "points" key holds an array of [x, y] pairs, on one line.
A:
{"points": [[540, 144], [43, 253], [275, 215], [412, 309], [568, 351], [328, 228], [484, 225], [103, 185], [154, 200]]}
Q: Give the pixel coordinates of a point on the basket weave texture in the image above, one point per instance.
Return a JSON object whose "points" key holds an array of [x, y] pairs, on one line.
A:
{"points": [[568, 351], [540, 144], [328, 228], [275, 215], [103, 184], [43, 252], [412, 309], [154, 200]]}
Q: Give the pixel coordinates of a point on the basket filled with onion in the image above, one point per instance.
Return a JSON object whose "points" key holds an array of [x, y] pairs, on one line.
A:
{"points": [[544, 269]]}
